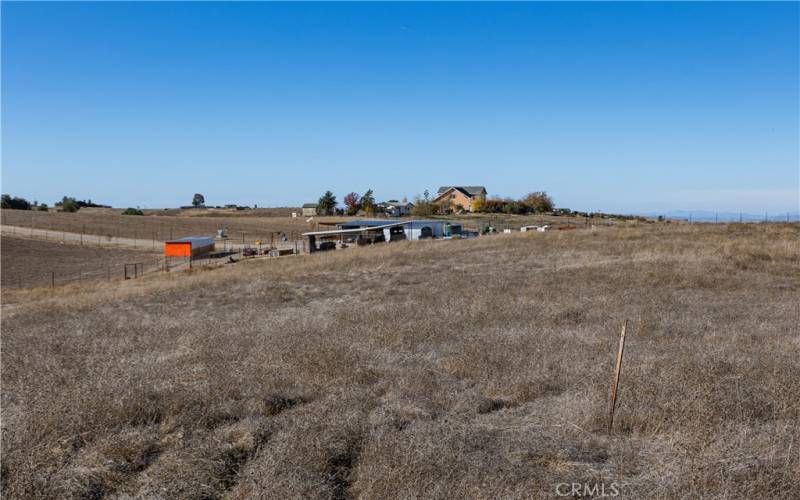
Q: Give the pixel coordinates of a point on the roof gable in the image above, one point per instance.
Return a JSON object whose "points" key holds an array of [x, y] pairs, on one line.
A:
{"points": [[467, 190]]}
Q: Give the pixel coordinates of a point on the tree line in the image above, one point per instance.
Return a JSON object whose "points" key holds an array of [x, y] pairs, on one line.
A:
{"points": [[424, 205], [353, 203], [66, 204], [535, 202]]}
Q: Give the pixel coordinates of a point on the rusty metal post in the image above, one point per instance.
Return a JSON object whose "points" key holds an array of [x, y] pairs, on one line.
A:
{"points": [[617, 371]]}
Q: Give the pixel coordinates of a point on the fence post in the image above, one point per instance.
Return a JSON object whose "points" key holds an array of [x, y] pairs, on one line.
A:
{"points": [[108, 272], [52, 279], [615, 383]]}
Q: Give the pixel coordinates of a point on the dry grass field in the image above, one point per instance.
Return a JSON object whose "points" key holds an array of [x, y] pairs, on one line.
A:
{"points": [[438, 369], [163, 225], [160, 228], [29, 263]]}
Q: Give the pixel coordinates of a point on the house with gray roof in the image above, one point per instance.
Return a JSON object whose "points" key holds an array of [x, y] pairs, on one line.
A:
{"points": [[459, 197]]}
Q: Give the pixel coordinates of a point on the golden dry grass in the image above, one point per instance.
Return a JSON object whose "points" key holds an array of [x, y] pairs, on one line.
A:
{"points": [[158, 227], [439, 369]]}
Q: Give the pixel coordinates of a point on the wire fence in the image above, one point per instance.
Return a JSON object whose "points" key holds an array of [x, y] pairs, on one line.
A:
{"points": [[83, 273], [133, 259]]}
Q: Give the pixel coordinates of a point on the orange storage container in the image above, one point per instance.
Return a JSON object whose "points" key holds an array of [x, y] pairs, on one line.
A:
{"points": [[189, 246]]}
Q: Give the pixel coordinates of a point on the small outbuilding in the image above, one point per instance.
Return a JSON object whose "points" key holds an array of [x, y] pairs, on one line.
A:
{"points": [[310, 209], [190, 246], [394, 208]]}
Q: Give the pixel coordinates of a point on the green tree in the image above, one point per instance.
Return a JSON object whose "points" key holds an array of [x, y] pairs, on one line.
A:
{"points": [[15, 203], [43, 207], [538, 201], [68, 204], [132, 211], [368, 202], [198, 200], [327, 204]]}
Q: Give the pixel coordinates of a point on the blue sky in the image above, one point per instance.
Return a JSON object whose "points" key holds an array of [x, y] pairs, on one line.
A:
{"points": [[607, 106]]}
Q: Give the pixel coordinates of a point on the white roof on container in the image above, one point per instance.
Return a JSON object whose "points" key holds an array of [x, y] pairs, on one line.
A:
{"points": [[196, 241]]}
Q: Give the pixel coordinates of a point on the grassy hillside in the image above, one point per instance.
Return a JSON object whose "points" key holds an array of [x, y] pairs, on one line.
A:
{"points": [[436, 369]]}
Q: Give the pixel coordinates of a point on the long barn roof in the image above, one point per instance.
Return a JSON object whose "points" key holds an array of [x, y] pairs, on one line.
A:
{"points": [[353, 231]]}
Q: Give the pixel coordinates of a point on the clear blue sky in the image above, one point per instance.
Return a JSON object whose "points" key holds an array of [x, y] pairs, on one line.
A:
{"points": [[607, 106]]}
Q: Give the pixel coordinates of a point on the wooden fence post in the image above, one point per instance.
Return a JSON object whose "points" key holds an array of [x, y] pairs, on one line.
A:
{"points": [[617, 370]]}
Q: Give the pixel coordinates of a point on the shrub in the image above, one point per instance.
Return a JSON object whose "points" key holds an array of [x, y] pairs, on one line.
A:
{"points": [[478, 204], [43, 207], [513, 207], [68, 204], [132, 211], [495, 205]]}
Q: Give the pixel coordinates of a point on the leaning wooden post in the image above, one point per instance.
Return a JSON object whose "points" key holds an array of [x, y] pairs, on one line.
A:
{"points": [[617, 371]]}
